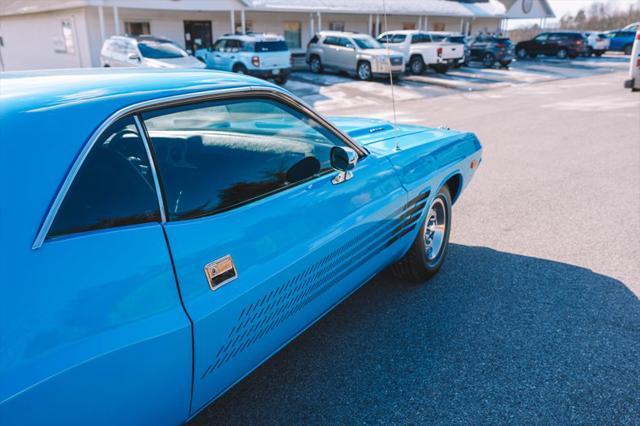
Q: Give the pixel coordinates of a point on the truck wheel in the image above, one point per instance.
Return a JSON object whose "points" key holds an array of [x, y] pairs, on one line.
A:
{"points": [[429, 249], [588, 52], [505, 64], [281, 79], [627, 49], [440, 68], [599, 53], [315, 64], [364, 70], [240, 69], [488, 60], [416, 65], [522, 53], [562, 53]]}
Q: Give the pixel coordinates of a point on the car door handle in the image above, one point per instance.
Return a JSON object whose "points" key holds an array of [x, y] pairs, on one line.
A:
{"points": [[220, 272]]}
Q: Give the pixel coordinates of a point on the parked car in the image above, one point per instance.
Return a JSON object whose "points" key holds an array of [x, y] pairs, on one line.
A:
{"points": [[260, 55], [354, 53], [145, 51], [633, 82], [560, 44], [597, 43], [621, 41], [492, 49], [177, 228], [419, 50]]}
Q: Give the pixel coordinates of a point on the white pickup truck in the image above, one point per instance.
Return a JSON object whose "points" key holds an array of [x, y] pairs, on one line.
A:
{"points": [[421, 51]]}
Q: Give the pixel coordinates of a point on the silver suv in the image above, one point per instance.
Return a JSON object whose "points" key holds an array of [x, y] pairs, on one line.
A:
{"points": [[358, 54]]}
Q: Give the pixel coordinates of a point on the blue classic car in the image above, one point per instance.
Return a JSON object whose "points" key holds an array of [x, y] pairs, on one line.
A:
{"points": [[165, 232]]}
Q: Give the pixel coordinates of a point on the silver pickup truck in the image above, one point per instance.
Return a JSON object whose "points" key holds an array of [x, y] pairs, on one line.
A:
{"points": [[421, 49]]}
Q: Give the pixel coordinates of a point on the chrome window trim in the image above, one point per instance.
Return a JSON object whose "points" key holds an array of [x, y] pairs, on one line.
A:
{"points": [[152, 164], [182, 99]]}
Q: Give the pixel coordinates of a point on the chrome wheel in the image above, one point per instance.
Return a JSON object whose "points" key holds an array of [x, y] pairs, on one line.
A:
{"points": [[435, 229], [315, 65], [364, 71], [562, 53]]}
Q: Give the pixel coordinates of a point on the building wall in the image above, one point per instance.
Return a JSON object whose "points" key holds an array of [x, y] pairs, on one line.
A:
{"points": [[36, 41]]}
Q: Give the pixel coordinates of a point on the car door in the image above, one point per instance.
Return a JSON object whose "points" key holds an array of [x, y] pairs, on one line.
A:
{"points": [[331, 55], [479, 47], [539, 44], [215, 58], [97, 332], [346, 54], [264, 240], [554, 43]]}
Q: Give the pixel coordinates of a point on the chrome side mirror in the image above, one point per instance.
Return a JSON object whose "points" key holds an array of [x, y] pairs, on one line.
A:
{"points": [[344, 160]]}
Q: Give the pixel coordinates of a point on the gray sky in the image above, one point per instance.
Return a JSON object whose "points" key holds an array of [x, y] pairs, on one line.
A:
{"points": [[560, 7]]}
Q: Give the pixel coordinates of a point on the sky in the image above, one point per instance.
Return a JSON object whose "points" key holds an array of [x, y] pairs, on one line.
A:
{"points": [[562, 7]]}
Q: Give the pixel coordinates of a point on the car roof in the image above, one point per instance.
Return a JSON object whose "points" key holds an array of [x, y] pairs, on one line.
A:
{"points": [[48, 116], [338, 33], [253, 37], [145, 37]]}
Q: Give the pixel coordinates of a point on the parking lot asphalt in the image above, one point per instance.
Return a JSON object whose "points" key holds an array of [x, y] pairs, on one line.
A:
{"points": [[535, 316]]}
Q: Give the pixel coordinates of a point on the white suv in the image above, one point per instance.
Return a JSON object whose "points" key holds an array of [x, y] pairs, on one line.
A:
{"points": [[145, 51]]}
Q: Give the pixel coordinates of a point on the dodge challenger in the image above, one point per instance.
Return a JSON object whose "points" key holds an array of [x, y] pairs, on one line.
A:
{"points": [[163, 233]]}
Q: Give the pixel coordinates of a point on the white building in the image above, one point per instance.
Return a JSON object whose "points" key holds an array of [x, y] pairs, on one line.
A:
{"points": [[36, 34]]}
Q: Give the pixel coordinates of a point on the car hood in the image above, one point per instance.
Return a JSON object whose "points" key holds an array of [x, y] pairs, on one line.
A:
{"points": [[184, 62], [367, 131]]}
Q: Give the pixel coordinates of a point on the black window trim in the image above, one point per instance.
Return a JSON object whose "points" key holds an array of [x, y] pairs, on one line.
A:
{"points": [[177, 100]]}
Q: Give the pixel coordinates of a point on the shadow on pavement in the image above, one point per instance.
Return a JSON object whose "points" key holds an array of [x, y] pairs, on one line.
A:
{"points": [[495, 337]]}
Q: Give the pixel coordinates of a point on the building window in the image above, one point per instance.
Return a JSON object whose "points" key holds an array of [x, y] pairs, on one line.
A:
{"points": [[137, 28], [409, 26], [438, 26], [336, 26], [292, 34]]}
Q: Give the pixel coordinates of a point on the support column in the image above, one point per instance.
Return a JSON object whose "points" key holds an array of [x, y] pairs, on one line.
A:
{"points": [[425, 23], [461, 25], [101, 20], [370, 25], [243, 22], [419, 24], [377, 29], [312, 30], [116, 20], [232, 21], [319, 21]]}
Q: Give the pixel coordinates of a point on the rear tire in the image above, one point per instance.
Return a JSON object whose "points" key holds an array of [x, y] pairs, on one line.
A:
{"points": [[281, 79], [588, 52], [488, 60], [522, 53], [600, 53], [440, 68], [239, 69], [429, 249], [505, 64], [562, 53], [315, 64], [416, 65]]}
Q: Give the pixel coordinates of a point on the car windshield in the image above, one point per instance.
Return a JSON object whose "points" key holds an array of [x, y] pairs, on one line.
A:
{"points": [[161, 50], [393, 38], [437, 37], [367, 43], [271, 46]]}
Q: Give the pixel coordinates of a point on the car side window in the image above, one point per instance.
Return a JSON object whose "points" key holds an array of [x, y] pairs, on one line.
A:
{"points": [[420, 38], [232, 45], [541, 37], [216, 155], [113, 187], [345, 42], [331, 40], [219, 46]]}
